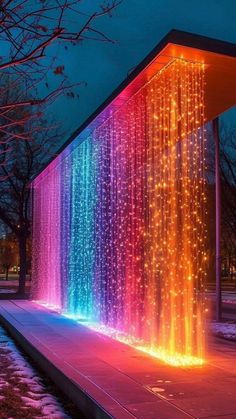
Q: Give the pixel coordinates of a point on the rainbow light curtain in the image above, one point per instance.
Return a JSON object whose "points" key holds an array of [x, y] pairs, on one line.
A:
{"points": [[118, 225]]}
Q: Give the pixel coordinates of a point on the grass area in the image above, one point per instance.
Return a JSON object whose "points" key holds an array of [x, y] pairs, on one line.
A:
{"points": [[24, 392]]}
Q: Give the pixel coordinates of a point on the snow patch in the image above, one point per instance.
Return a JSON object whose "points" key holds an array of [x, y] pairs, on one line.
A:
{"points": [[20, 371], [226, 330]]}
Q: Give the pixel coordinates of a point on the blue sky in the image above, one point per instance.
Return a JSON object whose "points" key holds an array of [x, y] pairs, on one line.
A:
{"points": [[136, 26]]}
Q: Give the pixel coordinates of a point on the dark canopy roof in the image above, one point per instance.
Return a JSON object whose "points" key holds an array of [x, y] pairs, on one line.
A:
{"points": [[219, 58]]}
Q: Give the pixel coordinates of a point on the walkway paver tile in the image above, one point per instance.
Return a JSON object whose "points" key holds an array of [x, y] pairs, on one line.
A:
{"points": [[126, 383]]}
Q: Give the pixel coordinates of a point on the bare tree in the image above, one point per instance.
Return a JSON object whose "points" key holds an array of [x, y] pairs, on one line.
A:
{"points": [[30, 31], [7, 254], [228, 180], [25, 160], [228, 197]]}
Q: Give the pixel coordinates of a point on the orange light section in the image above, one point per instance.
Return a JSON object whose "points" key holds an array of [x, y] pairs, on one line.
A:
{"points": [[175, 251]]}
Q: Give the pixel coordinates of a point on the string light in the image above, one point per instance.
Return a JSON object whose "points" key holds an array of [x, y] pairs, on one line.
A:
{"points": [[119, 230]]}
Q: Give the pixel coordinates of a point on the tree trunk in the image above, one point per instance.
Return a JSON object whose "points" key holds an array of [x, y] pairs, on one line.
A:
{"points": [[23, 263], [7, 270]]}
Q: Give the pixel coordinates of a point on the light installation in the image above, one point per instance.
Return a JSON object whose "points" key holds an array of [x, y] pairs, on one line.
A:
{"points": [[119, 232]]}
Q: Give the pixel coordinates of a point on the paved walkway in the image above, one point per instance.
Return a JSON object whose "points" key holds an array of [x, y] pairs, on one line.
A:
{"points": [[109, 379]]}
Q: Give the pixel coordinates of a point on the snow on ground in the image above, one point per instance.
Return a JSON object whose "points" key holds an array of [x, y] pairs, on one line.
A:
{"points": [[229, 301], [23, 393], [225, 330], [228, 297]]}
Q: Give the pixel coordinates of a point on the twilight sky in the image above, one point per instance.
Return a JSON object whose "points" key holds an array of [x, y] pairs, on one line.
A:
{"points": [[137, 26]]}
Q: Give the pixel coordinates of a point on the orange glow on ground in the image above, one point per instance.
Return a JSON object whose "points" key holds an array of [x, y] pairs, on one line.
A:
{"points": [[174, 359]]}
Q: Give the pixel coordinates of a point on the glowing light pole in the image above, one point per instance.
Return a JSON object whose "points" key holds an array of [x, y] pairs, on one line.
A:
{"points": [[218, 217]]}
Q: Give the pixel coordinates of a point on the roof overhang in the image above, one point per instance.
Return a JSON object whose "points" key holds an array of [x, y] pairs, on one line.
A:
{"points": [[219, 58]]}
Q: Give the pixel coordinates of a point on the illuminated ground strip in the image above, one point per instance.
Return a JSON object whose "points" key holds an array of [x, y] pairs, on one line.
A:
{"points": [[176, 360], [119, 232]]}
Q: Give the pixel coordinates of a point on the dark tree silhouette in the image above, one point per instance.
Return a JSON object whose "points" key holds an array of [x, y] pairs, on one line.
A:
{"points": [[25, 160], [29, 31], [7, 255], [228, 195], [228, 199]]}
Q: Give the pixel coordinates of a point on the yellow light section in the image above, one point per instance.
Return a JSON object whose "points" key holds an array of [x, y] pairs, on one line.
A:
{"points": [[175, 251], [175, 359]]}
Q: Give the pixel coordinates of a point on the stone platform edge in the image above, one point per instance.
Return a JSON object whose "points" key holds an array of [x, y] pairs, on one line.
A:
{"points": [[86, 404]]}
